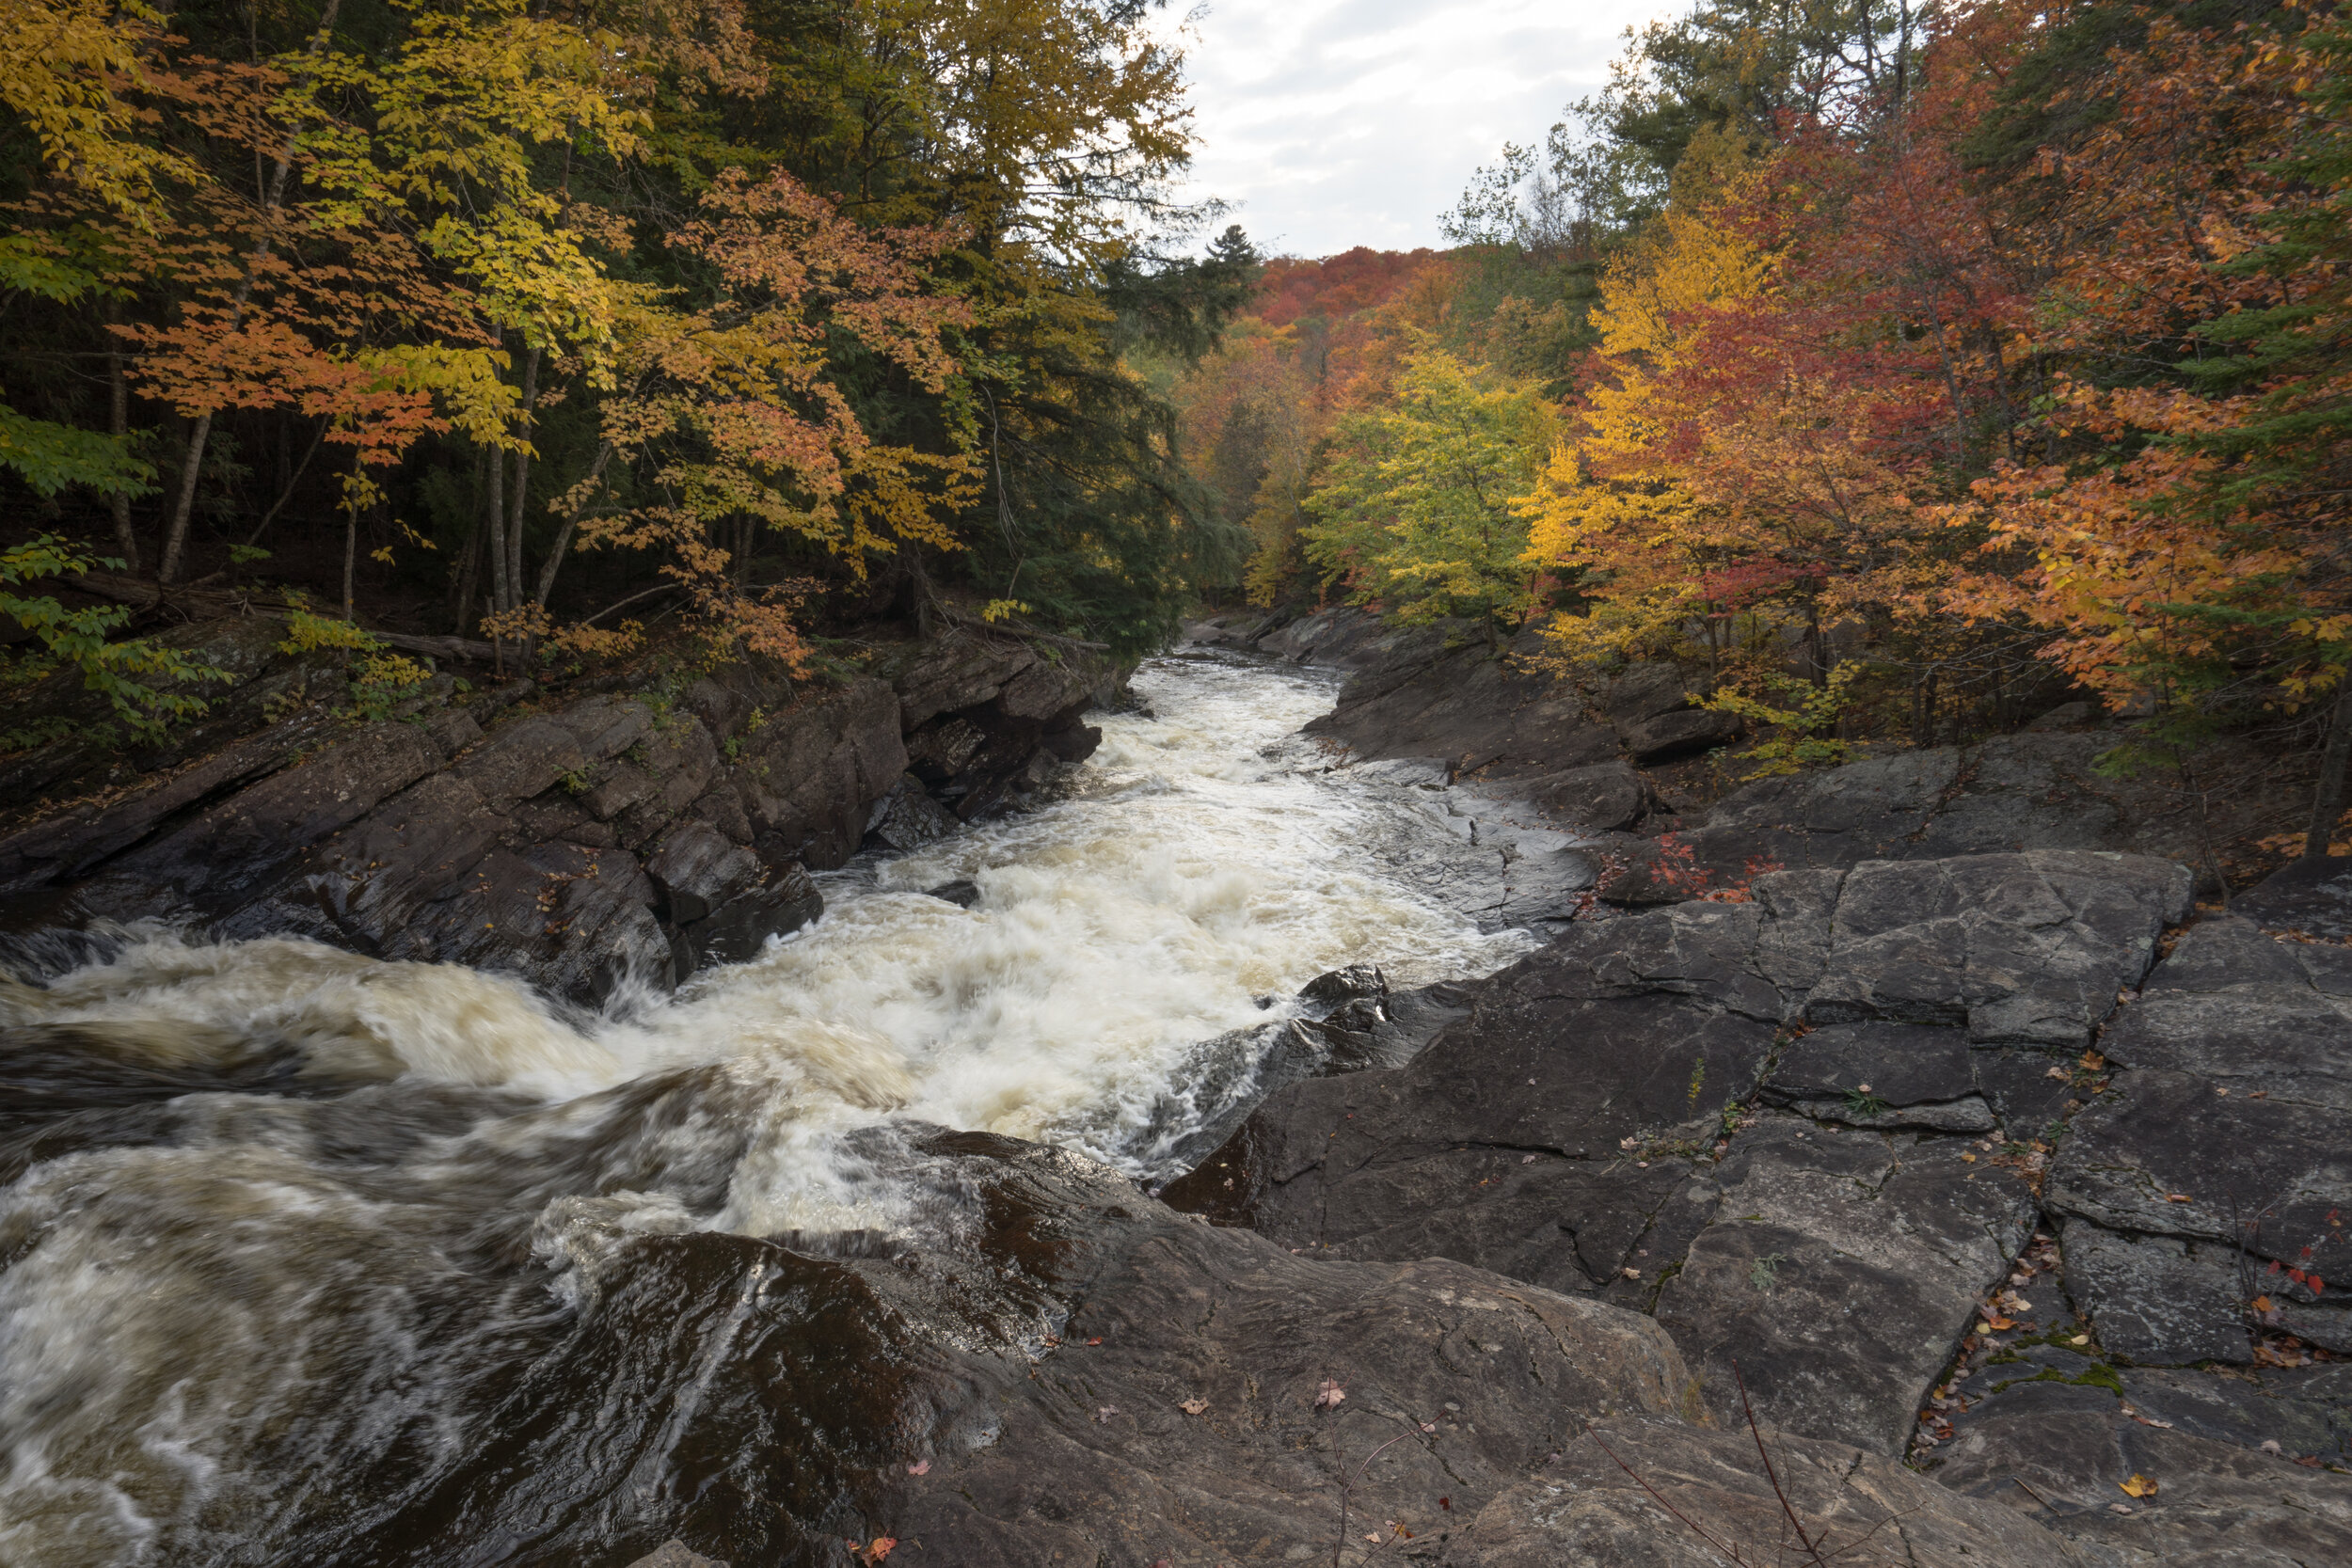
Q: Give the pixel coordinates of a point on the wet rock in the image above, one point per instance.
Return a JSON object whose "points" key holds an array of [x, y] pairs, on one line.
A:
{"points": [[1615, 1030], [674, 1554], [1076, 744], [1432, 691], [1343, 984], [1603, 796], [588, 843], [2314, 897], [908, 819], [961, 892], [1412, 772], [736, 931], [810, 775], [697, 870]]}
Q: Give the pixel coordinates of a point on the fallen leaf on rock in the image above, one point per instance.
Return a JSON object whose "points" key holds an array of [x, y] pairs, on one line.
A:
{"points": [[921, 1467], [1429, 1426], [2139, 1486], [1193, 1406], [2118, 1508], [1527, 1158], [1368, 1535], [879, 1549], [1446, 1504], [1329, 1395], [1094, 1341], [1102, 1414], [2178, 1197]]}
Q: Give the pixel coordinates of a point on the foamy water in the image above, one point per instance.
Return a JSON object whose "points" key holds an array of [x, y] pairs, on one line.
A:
{"points": [[214, 1307]]}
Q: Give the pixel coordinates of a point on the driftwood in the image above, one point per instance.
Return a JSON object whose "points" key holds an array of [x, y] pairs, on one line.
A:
{"points": [[200, 602]]}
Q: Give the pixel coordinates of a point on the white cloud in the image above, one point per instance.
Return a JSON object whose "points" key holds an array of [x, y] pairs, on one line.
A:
{"points": [[1332, 123]]}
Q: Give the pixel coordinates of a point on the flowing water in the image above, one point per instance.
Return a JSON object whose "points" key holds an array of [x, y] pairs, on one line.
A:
{"points": [[309, 1258]]}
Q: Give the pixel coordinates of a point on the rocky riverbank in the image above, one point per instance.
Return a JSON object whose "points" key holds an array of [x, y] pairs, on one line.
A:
{"points": [[585, 836], [1919, 1168], [1989, 1177]]}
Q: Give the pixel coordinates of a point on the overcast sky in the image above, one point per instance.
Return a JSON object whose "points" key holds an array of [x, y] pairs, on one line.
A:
{"points": [[1333, 123]]}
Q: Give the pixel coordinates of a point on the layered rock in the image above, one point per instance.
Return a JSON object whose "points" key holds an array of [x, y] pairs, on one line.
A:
{"points": [[586, 841]]}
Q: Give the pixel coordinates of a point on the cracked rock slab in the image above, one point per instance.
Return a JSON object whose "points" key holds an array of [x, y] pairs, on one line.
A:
{"points": [[1837, 1274], [2217, 1505], [2029, 948]]}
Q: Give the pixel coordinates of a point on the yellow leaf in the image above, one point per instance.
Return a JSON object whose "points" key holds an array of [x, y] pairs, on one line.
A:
{"points": [[2139, 1486]]}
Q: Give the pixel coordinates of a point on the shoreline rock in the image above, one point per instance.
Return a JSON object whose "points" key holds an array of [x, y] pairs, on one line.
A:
{"points": [[586, 843]]}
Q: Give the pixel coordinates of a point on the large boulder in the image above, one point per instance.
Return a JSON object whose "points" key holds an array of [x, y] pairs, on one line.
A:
{"points": [[1442, 691]]}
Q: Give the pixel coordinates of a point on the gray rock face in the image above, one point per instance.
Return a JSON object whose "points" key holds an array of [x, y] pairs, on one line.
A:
{"points": [[673, 1554], [1565, 1132], [1605, 795], [587, 843], [2036, 790], [2028, 949], [1205, 1396], [1836, 1271], [1435, 692], [2314, 897], [907, 817], [2218, 1152], [2217, 1505]]}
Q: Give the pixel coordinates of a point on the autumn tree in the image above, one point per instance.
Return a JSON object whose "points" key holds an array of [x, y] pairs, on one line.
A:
{"points": [[1413, 506]]}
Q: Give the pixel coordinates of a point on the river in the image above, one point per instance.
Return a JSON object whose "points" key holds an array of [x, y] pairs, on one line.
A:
{"points": [[297, 1247]]}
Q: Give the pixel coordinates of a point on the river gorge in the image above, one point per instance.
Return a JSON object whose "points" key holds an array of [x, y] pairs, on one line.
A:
{"points": [[1244, 1114], [262, 1316]]}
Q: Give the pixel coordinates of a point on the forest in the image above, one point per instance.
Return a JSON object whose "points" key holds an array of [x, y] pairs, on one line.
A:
{"points": [[574, 325], [1911, 368], [1904, 364]]}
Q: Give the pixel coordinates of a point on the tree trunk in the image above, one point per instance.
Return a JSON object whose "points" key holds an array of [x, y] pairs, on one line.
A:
{"points": [[2334, 760], [468, 576], [285, 491], [522, 479], [183, 499], [564, 538], [350, 554], [494, 527], [118, 421]]}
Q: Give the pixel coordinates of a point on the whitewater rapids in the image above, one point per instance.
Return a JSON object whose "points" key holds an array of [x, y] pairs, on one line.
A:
{"points": [[286, 1224]]}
